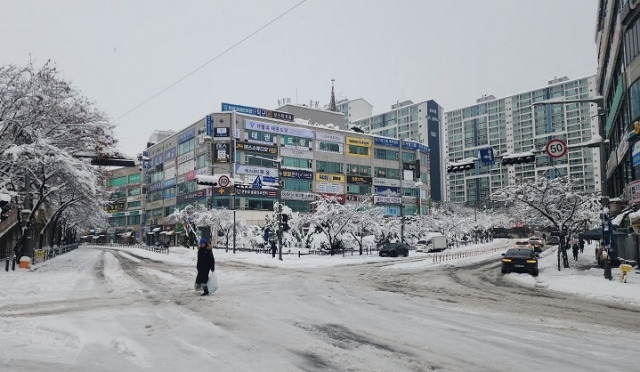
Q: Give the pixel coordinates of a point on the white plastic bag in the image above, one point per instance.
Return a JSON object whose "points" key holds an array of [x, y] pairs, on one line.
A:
{"points": [[212, 283]]}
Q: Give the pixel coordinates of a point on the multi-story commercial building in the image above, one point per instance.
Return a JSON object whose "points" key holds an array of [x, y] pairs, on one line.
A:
{"points": [[245, 144], [125, 187], [518, 124], [618, 81], [420, 122]]}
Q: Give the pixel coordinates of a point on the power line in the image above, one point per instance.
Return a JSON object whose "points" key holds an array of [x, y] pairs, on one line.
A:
{"points": [[209, 61]]}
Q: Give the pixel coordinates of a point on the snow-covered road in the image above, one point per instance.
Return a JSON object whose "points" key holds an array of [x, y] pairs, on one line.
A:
{"points": [[104, 309]]}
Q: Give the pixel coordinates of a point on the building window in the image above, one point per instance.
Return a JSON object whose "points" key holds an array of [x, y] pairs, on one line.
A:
{"points": [[385, 154], [329, 167], [358, 150], [359, 170]]}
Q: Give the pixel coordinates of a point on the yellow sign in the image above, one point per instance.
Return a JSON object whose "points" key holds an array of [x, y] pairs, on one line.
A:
{"points": [[365, 142], [326, 177]]}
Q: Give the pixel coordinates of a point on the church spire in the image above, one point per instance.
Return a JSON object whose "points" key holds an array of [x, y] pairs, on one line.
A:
{"points": [[332, 103]]}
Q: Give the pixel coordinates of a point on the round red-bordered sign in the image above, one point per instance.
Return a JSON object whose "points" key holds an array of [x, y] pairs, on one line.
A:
{"points": [[223, 181], [556, 148]]}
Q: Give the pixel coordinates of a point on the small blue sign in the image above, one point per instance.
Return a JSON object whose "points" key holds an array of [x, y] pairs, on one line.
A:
{"points": [[486, 156], [209, 125], [257, 183], [269, 179]]}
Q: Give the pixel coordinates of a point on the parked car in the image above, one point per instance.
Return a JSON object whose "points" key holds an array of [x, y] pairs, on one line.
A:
{"points": [[394, 250], [537, 243], [520, 260], [524, 244], [553, 240]]}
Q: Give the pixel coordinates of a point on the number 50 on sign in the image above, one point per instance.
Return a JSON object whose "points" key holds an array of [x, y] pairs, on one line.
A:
{"points": [[556, 148]]}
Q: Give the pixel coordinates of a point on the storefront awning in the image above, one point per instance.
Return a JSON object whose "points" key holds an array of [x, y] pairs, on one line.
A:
{"points": [[169, 232], [157, 229]]}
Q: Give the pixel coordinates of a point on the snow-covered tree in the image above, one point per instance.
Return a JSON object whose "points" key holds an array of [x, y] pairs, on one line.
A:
{"points": [[44, 123], [557, 202]]}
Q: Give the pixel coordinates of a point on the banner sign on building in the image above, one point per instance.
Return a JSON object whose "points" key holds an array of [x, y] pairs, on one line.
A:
{"points": [[298, 195], [258, 193], [221, 132], [340, 198], [190, 196], [326, 177], [385, 182], [185, 157], [170, 154], [635, 154], [387, 191], [329, 188], [265, 149], [187, 135], [257, 111], [155, 186], [256, 171], [386, 200], [296, 153], [299, 174], [278, 129], [633, 192], [415, 146], [364, 142], [262, 137], [303, 143], [360, 180], [168, 183], [209, 125], [222, 152], [383, 141], [329, 137]]}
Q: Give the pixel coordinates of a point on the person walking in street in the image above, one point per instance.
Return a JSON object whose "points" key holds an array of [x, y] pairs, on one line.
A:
{"points": [[575, 249], [544, 237], [206, 263], [581, 241]]}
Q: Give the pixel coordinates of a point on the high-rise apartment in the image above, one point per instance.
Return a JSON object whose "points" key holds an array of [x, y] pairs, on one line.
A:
{"points": [[420, 122], [520, 124]]}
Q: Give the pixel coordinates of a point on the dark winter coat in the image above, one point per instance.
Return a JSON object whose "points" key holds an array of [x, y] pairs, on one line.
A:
{"points": [[206, 263]]}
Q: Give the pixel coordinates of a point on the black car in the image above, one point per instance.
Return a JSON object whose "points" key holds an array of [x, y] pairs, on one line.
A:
{"points": [[553, 240], [394, 250], [520, 260]]}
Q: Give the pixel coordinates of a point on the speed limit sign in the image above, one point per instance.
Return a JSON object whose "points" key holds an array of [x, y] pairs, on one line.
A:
{"points": [[223, 181], [556, 148]]}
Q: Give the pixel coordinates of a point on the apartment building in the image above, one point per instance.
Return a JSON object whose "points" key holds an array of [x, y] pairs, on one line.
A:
{"points": [[420, 122], [521, 124]]}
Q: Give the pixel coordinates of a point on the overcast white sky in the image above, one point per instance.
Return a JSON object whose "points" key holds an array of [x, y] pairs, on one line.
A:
{"points": [[121, 53]]}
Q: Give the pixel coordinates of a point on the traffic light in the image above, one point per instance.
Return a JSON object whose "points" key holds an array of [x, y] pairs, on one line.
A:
{"points": [[518, 159], [461, 166]]}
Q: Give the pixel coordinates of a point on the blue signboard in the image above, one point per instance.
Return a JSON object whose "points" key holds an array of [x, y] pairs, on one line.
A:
{"points": [[486, 156], [386, 141], [185, 136], [257, 111], [209, 125], [415, 146]]}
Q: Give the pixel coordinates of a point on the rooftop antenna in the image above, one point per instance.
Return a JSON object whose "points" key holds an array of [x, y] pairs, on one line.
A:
{"points": [[332, 103]]}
